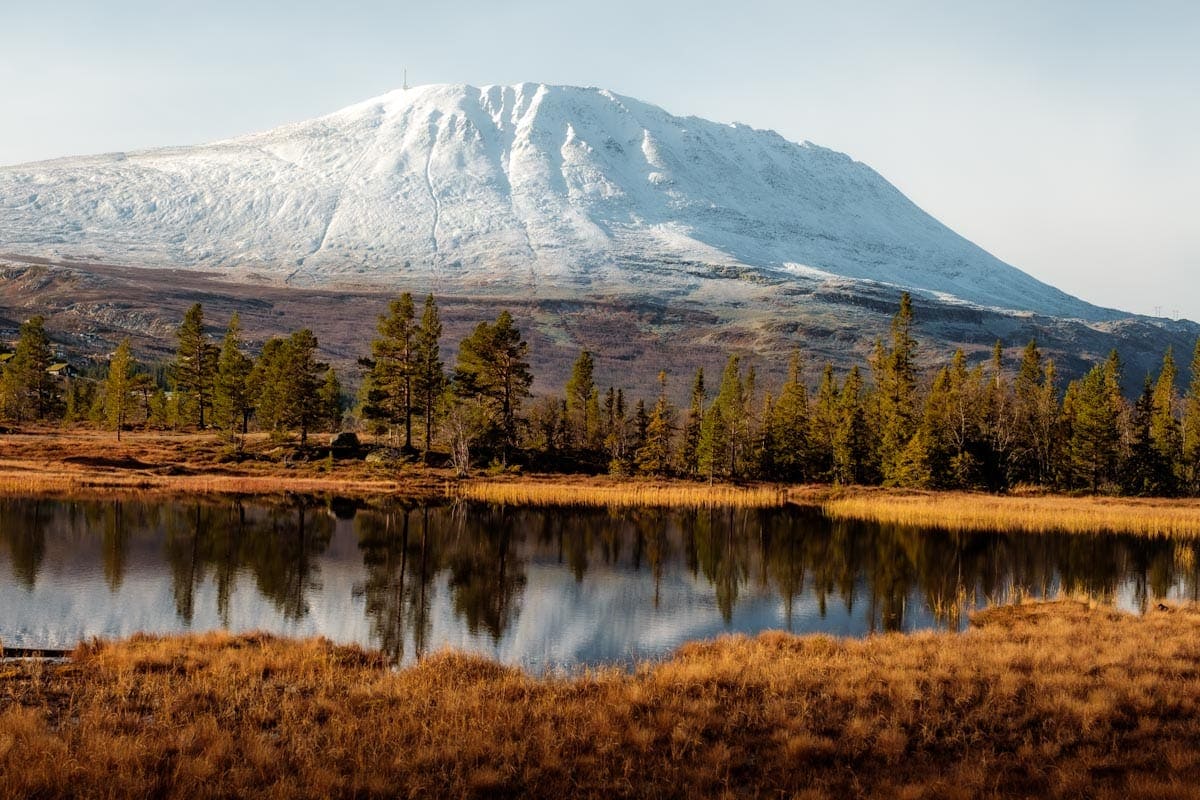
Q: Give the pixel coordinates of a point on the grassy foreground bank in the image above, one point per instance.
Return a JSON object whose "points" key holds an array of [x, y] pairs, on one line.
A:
{"points": [[1040, 700]]}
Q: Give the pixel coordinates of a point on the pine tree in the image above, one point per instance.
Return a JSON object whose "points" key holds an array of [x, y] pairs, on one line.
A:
{"points": [[388, 387], [27, 390], [231, 391], [117, 387], [430, 380], [789, 425], [304, 405], [288, 379], [195, 364], [269, 381], [1165, 434], [691, 427], [330, 402], [654, 457], [493, 367]]}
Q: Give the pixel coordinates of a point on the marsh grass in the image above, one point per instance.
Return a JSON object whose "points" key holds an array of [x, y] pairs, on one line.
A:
{"points": [[960, 511], [1039, 700], [619, 494]]}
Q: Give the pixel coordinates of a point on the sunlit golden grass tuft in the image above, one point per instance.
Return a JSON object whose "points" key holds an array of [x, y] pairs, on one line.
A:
{"points": [[960, 511], [619, 494], [1039, 700]]}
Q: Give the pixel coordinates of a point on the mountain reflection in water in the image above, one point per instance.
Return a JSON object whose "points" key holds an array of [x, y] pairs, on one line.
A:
{"points": [[535, 587]]}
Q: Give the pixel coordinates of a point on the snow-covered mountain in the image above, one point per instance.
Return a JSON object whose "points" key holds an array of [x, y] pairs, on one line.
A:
{"points": [[507, 189]]}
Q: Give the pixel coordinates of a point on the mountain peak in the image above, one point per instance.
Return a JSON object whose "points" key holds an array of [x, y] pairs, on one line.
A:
{"points": [[526, 187]]}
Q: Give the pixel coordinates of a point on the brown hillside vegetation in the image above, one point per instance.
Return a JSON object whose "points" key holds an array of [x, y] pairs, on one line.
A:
{"points": [[1042, 700]]}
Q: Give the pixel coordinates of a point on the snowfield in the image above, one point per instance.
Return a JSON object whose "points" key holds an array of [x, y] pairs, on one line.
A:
{"points": [[507, 189]]}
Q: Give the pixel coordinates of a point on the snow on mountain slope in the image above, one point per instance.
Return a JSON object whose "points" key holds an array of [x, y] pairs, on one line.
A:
{"points": [[506, 188]]}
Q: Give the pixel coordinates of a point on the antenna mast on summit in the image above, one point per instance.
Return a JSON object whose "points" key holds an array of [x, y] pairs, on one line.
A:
{"points": [[406, 79]]}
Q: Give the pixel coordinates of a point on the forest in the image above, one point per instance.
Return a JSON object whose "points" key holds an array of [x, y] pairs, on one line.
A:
{"points": [[993, 426]]}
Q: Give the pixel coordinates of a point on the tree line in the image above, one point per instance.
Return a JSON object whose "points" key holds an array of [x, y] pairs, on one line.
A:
{"points": [[884, 423]]}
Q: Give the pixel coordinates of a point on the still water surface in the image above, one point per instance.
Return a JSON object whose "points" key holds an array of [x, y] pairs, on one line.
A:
{"points": [[540, 588]]}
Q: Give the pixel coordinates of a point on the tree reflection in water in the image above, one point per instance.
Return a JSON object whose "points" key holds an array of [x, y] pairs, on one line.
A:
{"points": [[890, 578]]}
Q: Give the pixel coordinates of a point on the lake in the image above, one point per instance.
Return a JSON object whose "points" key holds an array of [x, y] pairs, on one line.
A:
{"points": [[539, 588]]}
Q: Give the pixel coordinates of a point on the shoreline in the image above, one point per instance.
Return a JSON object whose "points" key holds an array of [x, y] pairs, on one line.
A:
{"points": [[91, 464]]}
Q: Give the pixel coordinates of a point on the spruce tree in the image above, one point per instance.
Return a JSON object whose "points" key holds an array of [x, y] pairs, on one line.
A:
{"points": [[1142, 472], [430, 380], [823, 426], [231, 391], [641, 429], [118, 386], [789, 425], [1027, 390], [719, 449], [1165, 434], [195, 366], [583, 423], [691, 427], [1095, 439], [896, 380], [852, 457], [654, 457], [1191, 426], [936, 445]]}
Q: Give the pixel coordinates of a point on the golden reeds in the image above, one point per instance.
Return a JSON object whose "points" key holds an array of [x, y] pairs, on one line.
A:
{"points": [[621, 494], [1041, 700], [960, 511]]}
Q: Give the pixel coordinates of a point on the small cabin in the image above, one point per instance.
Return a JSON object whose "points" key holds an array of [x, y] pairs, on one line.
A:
{"points": [[62, 370]]}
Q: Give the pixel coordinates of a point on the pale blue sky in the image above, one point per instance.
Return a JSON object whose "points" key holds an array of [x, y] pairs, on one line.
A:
{"points": [[1062, 136]]}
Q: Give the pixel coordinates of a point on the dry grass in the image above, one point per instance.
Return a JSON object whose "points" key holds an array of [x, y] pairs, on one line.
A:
{"points": [[1053, 700], [620, 493], [960, 511], [82, 462]]}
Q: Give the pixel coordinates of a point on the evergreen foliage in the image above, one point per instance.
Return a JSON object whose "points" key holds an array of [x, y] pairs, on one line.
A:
{"points": [[493, 368], [430, 379], [118, 387], [232, 404], [960, 426], [388, 388], [27, 391], [689, 448], [195, 366]]}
